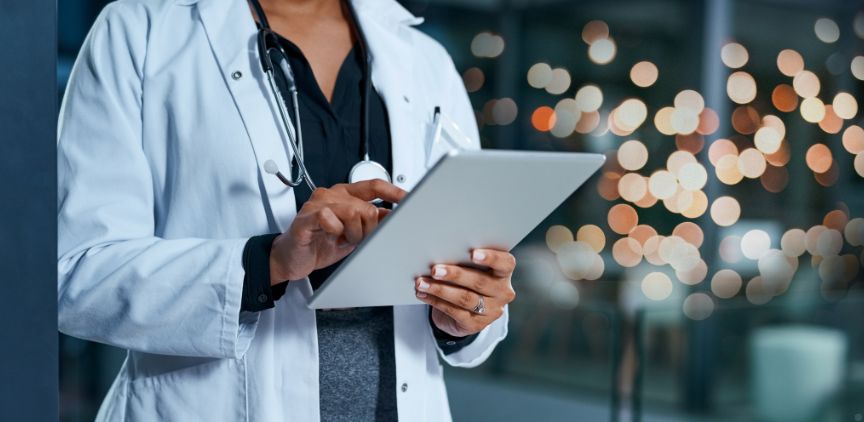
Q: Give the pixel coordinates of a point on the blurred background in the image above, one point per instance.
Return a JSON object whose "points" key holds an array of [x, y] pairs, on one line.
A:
{"points": [[712, 270]]}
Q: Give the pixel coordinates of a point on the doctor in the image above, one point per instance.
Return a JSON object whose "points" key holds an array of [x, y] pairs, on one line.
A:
{"points": [[176, 244]]}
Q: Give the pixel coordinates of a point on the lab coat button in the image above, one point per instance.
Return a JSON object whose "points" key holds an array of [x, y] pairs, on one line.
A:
{"points": [[400, 178], [404, 387], [262, 298], [451, 343], [236, 75]]}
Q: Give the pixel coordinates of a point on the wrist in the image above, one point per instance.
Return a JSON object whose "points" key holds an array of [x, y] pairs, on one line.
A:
{"points": [[278, 272]]}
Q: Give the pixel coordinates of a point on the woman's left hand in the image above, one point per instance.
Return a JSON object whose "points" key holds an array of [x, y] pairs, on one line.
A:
{"points": [[455, 292]]}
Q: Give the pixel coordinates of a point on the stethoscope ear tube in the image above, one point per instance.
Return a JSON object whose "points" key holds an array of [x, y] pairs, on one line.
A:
{"points": [[291, 133]]}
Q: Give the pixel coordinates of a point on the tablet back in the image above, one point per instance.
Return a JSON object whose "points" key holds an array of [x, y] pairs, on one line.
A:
{"points": [[469, 199]]}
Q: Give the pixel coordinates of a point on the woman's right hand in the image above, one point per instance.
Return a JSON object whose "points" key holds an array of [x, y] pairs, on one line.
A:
{"points": [[328, 227]]}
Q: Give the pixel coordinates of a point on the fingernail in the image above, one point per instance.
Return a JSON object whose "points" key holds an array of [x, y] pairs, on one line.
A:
{"points": [[478, 256], [424, 285], [421, 295], [439, 271]]}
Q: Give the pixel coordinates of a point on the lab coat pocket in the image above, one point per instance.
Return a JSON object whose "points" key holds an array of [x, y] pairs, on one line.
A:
{"points": [[442, 136], [187, 389]]}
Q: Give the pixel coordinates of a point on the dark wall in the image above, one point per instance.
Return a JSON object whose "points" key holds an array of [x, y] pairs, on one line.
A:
{"points": [[28, 292]]}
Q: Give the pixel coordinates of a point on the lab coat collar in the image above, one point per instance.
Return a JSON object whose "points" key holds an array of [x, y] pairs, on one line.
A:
{"points": [[389, 10]]}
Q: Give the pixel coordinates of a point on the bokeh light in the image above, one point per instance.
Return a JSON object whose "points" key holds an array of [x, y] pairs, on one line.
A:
{"points": [[858, 164], [734, 55], [690, 99], [602, 51], [719, 148], [663, 121], [826, 30], [539, 75], [662, 184], [845, 105], [559, 81], [575, 259], [806, 84], [690, 232], [543, 118], [853, 139], [726, 284], [698, 306], [819, 158], [784, 98], [589, 98], [741, 87], [767, 140], [632, 187], [632, 155], [622, 218], [790, 62], [594, 30], [751, 163], [746, 120], [556, 236], [567, 116], [504, 111], [730, 249], [627, 252], [592, 235], [725, 211], [857, 67], [473, 79], [831, 122], [793, 242], [727, 170], [755, 243], [657, 286], [644, 74], [487, 45], [812, 109]]}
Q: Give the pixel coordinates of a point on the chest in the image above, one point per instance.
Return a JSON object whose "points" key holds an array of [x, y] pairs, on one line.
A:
{"points": [[325, 43]]}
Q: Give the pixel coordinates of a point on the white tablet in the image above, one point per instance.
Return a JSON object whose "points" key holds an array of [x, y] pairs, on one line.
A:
{"points": [[469, 199]]}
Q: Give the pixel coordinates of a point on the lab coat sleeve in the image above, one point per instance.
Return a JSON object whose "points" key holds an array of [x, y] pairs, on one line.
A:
{"points": [[118, 283], [462, 113]]}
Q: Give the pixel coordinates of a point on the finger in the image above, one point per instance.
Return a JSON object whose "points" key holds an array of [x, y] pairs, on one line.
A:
{"points": [[350, 216], [328, 222], [459, 296], [502, 263], [368, 190], [383, 212], [479, 281], [462, 317], [369, 217]]}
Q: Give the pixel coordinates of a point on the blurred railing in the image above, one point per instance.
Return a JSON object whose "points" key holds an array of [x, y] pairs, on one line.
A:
{"points": [[793, 358]]}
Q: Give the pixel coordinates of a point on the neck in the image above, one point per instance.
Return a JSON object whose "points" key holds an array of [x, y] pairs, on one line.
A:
{"points": [[302, 7]]}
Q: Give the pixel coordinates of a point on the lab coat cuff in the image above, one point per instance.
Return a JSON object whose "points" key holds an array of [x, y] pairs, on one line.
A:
{"points": [[238, 328], [478, 350]]}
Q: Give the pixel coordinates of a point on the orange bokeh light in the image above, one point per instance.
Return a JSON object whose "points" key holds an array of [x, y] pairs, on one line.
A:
{"points": [[819, 158], [622, 218], [784, 98]]}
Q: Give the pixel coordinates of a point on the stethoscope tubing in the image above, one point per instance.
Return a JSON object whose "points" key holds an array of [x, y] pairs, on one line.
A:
{"points": [[295, 136]]}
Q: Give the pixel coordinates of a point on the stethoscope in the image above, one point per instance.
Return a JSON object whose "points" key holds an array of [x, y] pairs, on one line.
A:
{"points": [[270, 52]]}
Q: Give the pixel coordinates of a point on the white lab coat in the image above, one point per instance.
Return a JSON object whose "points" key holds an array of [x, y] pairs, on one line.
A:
{"points": [[163, 134]]}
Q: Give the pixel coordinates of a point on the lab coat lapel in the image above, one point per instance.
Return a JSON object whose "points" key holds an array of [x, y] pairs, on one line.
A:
{"points": [[231, 32], [393, 78]]}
